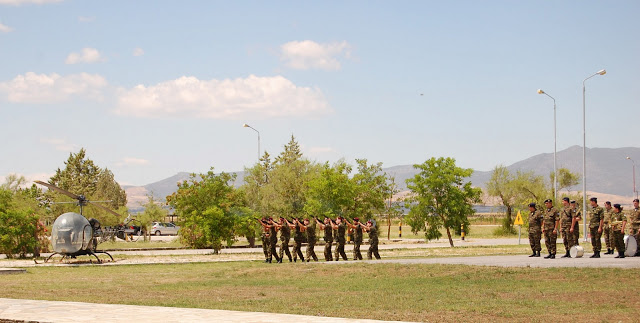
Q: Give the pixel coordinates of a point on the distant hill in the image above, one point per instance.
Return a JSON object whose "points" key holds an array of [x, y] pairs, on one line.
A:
{"points": [[608, 172]]}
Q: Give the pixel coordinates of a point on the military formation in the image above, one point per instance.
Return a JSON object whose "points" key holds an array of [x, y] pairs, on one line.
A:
{"points": [[609, 221], [335, 231]]}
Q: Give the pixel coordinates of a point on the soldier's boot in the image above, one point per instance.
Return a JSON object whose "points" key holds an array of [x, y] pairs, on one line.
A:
{"points": [[620, 255], [596, 254], [553, 256], [566, 255], [537, 253], [547, 256], [532, 255], [637, 254], [609, 252], [269, 260]]}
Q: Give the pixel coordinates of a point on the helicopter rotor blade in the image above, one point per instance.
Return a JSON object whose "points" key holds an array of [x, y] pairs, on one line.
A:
{"points": [[105, 208], [59, 190]]}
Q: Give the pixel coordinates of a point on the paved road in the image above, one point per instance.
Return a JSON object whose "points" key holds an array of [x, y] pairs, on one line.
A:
{"points": [[48, 311]]}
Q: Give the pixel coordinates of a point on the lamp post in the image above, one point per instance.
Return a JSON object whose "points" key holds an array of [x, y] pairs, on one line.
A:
{"points": [[635, 192], [248, 126], [555, 145], [584, 154]]}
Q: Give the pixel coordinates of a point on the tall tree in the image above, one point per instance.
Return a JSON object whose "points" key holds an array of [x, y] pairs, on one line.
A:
{"points": [[330, 193], [371, 189], [566, 179], [441, 197], [82, 176]]}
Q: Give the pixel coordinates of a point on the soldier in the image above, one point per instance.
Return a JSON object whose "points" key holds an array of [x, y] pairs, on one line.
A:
{"points": [[273, 240], [618, 222], [596, 219], [328, 237], [575, 227], [608, 234], [265, 238], [566, 221], [298, 237], [535, 227], [634, 218], [357, 238], [373, 239], [310, 229], [550, 223], [340, 238], [285, 237]]}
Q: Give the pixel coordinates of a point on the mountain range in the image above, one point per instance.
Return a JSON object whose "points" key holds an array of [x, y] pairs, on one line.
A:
{"points": [[609, 172]]}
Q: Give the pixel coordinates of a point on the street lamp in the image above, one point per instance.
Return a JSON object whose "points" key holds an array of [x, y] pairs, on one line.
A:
{"points": [[584, 154], [634, 176], [555, 145], [254, 129]]}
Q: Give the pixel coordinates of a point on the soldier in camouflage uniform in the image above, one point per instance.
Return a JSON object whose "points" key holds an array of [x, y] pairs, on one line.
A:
{"points": [[566, 220], [357, 238], [596, 219], [298, 237], [273, 241], [285, 237], [373, 239], [310, 228], [607, 232], [265, 239], [550, 223], [634, 218], [618, 222], [575, 227], [341, 239], [535, 230], [328, 237]]}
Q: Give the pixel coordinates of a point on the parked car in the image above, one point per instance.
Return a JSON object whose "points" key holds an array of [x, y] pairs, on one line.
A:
{"points": [[163, 228]]}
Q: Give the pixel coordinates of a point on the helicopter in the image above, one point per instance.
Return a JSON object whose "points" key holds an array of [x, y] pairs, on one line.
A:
{"points": [[74, 235]]}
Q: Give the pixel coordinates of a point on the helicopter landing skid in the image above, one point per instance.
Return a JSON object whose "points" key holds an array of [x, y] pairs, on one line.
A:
{"points": [[92, 253]]}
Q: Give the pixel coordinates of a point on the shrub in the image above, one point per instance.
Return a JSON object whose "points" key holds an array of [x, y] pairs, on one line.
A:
{"points": [[18, 233]]}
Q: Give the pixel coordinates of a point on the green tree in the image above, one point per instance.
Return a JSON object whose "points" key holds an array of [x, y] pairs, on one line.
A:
{"points": [[441, 198], [82, 177], [153, 212], [515, 192], [371, 187], [330, 193], [204, 207], [566, 179]]}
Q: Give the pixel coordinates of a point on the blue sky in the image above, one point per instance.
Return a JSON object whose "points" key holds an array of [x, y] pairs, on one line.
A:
{"points": [[152, 88]]}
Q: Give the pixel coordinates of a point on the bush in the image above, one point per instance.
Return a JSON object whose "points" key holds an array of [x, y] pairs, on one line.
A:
{"points": [[18, 233]]}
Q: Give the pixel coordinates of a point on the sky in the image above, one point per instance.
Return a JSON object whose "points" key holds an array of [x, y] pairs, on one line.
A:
{"points": [[153, 88]]}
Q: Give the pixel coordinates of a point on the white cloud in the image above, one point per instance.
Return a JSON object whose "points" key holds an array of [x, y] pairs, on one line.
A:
{"points": [[5, 28], [86, 19], [60, 144], [307, 54], [128, 161], [20, 2], [223, 99], [138, 51], [42, 88], [88, 55]]}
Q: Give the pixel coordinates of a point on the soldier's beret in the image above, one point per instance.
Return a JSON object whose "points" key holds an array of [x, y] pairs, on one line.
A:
{"points": [[617, 206], [565, 199], [593, 199], [573, 201], [548, 201], [356, 219], [532, 205], [636, 200], [607, 203]]}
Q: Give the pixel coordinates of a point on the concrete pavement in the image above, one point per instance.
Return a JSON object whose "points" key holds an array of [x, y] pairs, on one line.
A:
{"points": [[49, 311]]}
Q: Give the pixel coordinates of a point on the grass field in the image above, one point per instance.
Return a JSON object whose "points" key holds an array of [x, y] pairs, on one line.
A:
{"points": [[376, 291]]}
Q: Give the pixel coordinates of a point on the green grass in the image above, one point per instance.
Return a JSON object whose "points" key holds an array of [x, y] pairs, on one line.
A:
{"points": [[140, 244], [377, 291]]}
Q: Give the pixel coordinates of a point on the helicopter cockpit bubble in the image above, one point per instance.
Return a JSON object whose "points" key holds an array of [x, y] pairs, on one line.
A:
{"points": [[70, 233]]}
